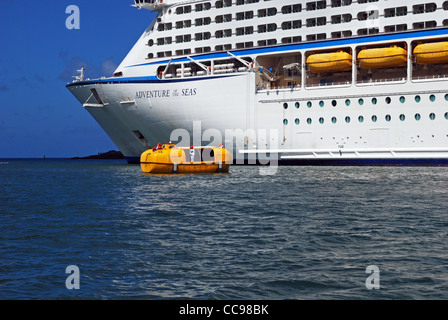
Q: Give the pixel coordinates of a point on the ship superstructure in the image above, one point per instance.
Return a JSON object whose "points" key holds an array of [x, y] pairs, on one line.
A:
{"points": [[311, 82]]}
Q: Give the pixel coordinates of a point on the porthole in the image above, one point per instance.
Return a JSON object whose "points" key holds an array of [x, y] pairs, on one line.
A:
{"points": [[334, 120], [388, 117], [309, 104], [297, 121], [417, 98], [285, 122], [432, 116], [347, 119], [446, 115], [388, 100], [446, 97], [347, 102], [321, 120], [321, 104], [432, 98], [374, 118], [402, 117], [402, 99], [361, 101], [297, 105], [361, 119], [309, 121], [418, 116], [285, 106], [374, 100], [334, 103]]}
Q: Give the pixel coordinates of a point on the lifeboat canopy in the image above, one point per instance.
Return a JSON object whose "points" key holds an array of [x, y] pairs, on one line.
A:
{"points": [[329, 62]]}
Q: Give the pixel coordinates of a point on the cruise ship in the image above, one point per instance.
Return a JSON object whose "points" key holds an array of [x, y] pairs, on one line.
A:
{"points": [[328, 82]]}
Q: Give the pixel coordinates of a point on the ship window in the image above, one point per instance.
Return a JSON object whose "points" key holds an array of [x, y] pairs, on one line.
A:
{"points": [[334, 103], [446, 97], [334, 120], [361, 101], [402, 99], [347, 119], [446, 115], [321, 120], [374, 100], [388, 118], [388, 100], [309, 104], [374, 118], [418, 116], [297, 105], [285, 106], [347, 102], [285, 122], [321, 104], [417, 98], [432, 98], [309, 121], [432, 116], [361, 119], [297, 121]]}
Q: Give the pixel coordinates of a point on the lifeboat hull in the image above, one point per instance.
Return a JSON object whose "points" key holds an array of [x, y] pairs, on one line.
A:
{"points": [[431, 53], [329, 62], [382, 58]]}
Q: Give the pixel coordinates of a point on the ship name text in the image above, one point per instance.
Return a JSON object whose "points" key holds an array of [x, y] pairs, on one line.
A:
{"points": [[166, 93]]}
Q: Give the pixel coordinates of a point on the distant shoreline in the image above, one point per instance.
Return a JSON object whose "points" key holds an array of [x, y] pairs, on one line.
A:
{"points": [[107, 155]]}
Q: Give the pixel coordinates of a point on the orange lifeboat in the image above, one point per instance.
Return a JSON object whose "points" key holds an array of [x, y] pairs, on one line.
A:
{"points": [[329, 62], [375, 58], [431, 53]]}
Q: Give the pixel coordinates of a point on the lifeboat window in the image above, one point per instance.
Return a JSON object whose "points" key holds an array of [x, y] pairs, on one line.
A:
{"points": [[347, 119], [297, 121], [321, 120], [309, 121], [402, 117], [361, 119], [309, 104], [347, 102], [285, 122], [297, 105], [432, 116], [402, 99], [418, 116], [334, 103], [321, 104], [432, 98], [374, 118], [361, 101], [285, 106], [374, 100], [388, 118], [417, 98], [388, 100], [334, 120]]}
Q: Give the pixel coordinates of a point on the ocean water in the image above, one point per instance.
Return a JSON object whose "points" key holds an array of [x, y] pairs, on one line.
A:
{"points": [[303, 233]]}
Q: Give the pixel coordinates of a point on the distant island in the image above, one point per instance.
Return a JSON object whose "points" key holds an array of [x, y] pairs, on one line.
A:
{"points": [[112, 154]]}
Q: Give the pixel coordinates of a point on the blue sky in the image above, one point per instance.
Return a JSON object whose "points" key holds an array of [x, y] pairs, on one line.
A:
{"points": [[39, 56]]}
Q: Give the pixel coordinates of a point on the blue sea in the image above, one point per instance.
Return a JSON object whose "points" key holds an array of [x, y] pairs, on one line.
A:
{"points": [[304, 233]]}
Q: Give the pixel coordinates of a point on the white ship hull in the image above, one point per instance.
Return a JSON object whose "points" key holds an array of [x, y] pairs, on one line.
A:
{"points": [[389, 121]]}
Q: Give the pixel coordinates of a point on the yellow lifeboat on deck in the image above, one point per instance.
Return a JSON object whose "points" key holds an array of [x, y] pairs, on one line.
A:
{"points": [[329, 62], [375, 58], [431, 53], [169, 158]]}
